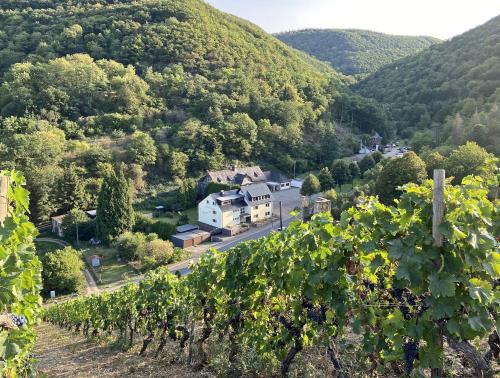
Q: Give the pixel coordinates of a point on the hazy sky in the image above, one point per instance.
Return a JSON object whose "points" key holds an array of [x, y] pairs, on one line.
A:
{"points": [[437, 18]]}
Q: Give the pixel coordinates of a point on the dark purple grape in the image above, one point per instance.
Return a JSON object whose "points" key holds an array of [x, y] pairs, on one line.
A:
{"points": [[410, 354], [19, 320]]}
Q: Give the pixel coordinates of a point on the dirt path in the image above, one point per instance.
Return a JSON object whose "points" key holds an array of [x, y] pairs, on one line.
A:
{"points": [[91, 284], [60, 243], [65, 354]]}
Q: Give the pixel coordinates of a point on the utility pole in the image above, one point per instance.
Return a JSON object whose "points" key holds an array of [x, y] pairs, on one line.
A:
{"points": [[281, 217], [294, 164]]}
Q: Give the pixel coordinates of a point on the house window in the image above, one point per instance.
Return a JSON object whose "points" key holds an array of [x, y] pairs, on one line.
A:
{"points": [[213, 220], [256, 215], [268, 204], [214, 212], [213, 202], [268, 213], [255, 174], [208, 201], [256, 207]]}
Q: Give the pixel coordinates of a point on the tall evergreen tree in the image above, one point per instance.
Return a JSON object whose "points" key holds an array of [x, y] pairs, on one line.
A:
{"points": [[326, 179], [71, 193], [341, 172], [115, 214]]}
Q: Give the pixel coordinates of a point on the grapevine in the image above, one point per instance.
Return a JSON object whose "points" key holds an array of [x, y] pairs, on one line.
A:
{"points": [[373, 272], [20, 282]]}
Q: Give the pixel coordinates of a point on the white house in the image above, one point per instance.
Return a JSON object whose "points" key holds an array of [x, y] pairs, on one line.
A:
{"points": [[229, 209]]}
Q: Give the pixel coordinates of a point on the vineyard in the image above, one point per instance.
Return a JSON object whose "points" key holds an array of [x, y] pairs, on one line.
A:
{"points": [[377, 273], [20, 279]]}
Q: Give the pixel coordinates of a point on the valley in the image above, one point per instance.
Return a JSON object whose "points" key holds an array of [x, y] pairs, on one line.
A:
{"points": [[148, 150]]}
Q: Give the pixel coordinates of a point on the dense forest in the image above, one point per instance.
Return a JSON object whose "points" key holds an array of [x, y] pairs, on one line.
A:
{"points": [[448, 91], [168, 87], [355, 52]]}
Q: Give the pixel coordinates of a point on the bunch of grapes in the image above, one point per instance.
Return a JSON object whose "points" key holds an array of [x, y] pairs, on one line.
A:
{"points": [[19, 320], [369, 285], [411, 354]]}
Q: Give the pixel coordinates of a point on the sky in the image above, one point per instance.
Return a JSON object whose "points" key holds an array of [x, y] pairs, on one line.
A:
{"points": [[437, 18]]}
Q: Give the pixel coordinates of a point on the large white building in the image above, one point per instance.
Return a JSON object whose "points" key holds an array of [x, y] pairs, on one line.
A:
{"points": [[230, 209]]}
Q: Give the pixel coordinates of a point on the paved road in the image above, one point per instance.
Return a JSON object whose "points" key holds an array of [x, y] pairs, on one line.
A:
{"points": [[183, 266]]}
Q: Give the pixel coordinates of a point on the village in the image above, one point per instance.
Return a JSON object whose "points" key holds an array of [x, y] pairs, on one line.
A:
{"points": [[234, 205]]}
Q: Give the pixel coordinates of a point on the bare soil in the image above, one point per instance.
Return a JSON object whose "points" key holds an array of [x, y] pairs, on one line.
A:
{"points": [[66, 354]]}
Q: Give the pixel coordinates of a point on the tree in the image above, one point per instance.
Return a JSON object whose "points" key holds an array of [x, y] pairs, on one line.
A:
{"points": [[188, 192], [377, 157], [77, 225], [433, 160], [177, 163], [354, 169], [71, 189], [421, 140], [366, 163], [141, 149], [397, 172], [310, 186], [466, 160], [326, 179], [341, 172], [62, 271], [115, 214]]}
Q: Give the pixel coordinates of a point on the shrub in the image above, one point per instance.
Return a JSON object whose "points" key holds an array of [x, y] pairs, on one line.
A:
{"points": [[310, 186], [163, 229], [130, 245], [62, 271]]}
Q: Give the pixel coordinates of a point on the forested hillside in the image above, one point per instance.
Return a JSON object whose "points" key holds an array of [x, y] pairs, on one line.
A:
{"points": [[458, 76], [355, 52], [199, 88]]}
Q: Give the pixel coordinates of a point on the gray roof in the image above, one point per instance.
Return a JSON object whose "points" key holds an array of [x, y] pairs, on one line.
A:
{"points": [[256, 190], [186, 228], [230, 175], [275, 176], [190, 235]]}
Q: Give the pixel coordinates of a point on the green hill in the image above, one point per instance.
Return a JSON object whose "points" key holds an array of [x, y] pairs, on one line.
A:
{"points": [[355, 52], [208, 90], [190, 61], [458, 76]]}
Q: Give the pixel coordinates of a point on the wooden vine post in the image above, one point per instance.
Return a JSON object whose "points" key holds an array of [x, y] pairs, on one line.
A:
{"points": [[437, 218], [4, 187]]}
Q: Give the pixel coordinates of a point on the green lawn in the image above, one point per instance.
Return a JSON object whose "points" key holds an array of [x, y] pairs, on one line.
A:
{"points": [[43, 247], [111, 270], [191, 213]]}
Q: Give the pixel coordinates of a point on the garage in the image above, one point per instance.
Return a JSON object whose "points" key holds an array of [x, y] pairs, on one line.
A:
{"points": [[190, 239]]}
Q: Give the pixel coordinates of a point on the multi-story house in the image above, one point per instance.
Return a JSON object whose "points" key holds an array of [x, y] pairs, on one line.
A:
{"points": [[230, 209]]}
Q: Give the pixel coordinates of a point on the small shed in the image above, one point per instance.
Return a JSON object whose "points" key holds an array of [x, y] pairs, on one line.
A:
{"points": [[57, 225], [186, 228], [95, 261], [296, 183], [189, 239]]}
